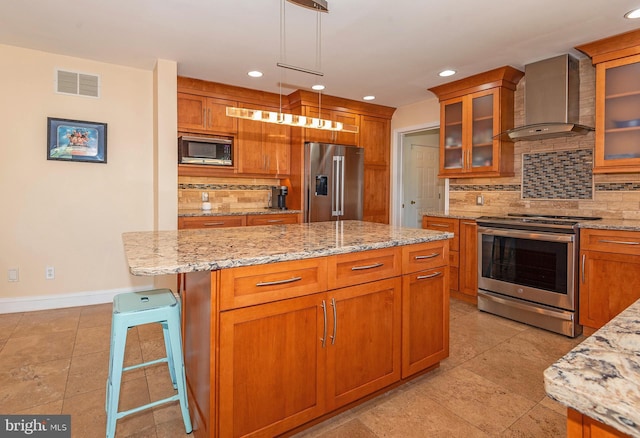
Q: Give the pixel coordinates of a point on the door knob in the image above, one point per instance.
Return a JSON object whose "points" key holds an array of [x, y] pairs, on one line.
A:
{"points": [[413, 202]]}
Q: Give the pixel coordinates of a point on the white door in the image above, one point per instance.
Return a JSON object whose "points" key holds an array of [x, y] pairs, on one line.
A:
{"points": [[422, 189]]}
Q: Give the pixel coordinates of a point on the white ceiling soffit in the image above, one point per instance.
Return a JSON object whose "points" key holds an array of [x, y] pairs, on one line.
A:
{"points": [[390, 49]]}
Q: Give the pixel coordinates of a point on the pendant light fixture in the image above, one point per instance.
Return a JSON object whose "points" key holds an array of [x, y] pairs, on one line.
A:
{"points": [[320, 6]]}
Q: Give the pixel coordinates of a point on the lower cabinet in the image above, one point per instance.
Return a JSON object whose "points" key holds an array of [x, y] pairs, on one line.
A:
{"points": [[609, 274], [284, 363], [582, 426]]}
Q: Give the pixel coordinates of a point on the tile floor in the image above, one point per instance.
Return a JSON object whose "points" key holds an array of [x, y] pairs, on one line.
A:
{"points": [[56, 361]]}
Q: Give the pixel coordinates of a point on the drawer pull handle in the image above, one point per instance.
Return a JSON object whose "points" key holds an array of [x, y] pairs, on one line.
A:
{"points": [[424, 277], [273, 221], [212, 224], [619, 242], [430, 256], [440, 225], [360, 268], [273, 283]]}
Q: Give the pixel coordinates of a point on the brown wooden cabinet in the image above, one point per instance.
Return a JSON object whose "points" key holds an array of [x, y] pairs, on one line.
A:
{"points": [[473, 111], [463, 257], [197, 113], [583, 426], [617, 61], [188, 222], [263, 148], [609, 274], [375, 138], [335, 137]]}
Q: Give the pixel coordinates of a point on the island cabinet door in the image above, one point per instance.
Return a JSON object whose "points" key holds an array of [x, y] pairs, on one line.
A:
{"points": [[425, 319], [271, 374], [363, 343]]}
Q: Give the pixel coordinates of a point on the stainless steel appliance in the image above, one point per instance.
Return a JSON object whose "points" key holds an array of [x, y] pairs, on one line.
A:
{"points": [[211, 151], [333, 186], [279, 197], [527, 270]]}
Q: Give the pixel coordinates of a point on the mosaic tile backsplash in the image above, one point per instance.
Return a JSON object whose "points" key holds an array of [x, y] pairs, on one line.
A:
{"points": [[558, 175]]}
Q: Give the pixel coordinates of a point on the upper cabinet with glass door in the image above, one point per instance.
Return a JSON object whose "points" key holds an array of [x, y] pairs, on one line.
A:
{"points": [[617, 61], [473, 111]]}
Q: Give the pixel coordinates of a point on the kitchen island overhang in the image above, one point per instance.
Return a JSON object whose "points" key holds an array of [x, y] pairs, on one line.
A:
{"points": [[286, 325]]}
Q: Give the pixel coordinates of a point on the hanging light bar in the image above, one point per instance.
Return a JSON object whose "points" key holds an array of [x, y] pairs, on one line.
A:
{"points": [[289, 119], [316, 5]]}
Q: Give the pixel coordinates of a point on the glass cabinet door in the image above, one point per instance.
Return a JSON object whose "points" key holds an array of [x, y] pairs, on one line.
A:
{"points": [[482, 131], [453, 135], [622, 113]]}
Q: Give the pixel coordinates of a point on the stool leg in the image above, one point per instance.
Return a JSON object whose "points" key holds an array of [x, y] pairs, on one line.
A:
{"points": [[178, 365], [119, 340], [167, 347]]}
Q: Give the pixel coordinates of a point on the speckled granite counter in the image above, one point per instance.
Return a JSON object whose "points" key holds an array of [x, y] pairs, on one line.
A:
{"points": [[600, 378], [173, 252], [198, 212], [612, 224], [452, 216]]}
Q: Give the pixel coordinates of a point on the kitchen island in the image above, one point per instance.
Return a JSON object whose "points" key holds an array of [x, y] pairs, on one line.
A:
{"points": [[599, 380], [286, 325]]}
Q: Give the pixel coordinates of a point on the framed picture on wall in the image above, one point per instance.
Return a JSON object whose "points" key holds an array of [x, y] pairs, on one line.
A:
{"points": [[76, 140]]}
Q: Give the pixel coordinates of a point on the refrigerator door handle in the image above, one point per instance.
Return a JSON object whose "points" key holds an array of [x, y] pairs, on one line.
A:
{"points": [[336, 189], [341, 186]]}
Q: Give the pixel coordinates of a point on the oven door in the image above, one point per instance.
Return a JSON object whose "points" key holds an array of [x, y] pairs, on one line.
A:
{"points": [[533, 266]]}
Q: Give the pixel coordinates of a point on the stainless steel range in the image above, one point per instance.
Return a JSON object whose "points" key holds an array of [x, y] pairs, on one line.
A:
{"points": [[527, 269]]}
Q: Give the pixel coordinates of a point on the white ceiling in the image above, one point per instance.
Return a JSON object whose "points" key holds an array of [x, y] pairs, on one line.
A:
{"points": [[392, 49]]}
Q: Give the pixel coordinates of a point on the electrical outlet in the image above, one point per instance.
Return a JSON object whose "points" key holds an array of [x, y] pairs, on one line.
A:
{"points": [[479, 200], [13, 275], [50, 273]]}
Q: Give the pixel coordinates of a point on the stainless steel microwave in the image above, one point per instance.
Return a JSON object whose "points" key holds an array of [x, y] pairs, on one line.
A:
{"points": [[211, 151]]}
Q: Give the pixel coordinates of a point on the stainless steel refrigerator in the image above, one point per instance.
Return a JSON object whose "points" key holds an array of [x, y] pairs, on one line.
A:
{"points": [[334, 182]]}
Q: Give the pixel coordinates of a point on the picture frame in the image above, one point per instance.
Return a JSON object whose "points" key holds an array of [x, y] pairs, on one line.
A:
{"points": [[76, 140]]}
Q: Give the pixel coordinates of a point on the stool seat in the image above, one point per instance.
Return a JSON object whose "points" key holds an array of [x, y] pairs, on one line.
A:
{"points": [[137, 308]]}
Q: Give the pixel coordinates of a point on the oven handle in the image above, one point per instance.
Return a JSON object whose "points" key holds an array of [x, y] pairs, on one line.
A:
{"points": [[522, 234]]}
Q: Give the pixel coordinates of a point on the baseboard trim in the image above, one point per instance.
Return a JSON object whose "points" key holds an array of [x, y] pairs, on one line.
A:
{"points": [[48, 302]]}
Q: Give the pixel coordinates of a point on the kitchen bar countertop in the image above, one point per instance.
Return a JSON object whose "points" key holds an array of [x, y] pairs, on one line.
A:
{"points": [[451, 215], [612, 224], [174, 252], [196, 212], [600, 377]]}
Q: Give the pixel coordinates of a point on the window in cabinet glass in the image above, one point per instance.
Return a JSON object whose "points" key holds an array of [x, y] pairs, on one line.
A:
{"points": [[453, 136], [622, 112], [482, 134]]}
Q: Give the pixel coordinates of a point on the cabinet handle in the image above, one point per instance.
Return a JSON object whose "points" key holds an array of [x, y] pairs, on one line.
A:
{"points": [[335, 321], [324, 311], [360, 268], [273, 283], [439, 225], [209, 120], [583, 260], [430, 256], [204, 117], [274, 221], [468, 223], [424, 277], [212, 224], [619, 242]]}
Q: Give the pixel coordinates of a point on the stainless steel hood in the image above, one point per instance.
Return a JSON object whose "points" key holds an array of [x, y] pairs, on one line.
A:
{"points": [[552, 97]]}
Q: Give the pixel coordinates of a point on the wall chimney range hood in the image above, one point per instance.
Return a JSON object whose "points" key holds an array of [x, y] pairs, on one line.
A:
{"points": [[552, 97]]}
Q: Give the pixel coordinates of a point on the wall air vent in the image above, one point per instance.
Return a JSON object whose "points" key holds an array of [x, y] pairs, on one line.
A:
{"points": [[79, 84]]}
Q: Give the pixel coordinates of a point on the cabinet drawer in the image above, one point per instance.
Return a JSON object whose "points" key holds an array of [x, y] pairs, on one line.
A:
{"points": [[185, 223], [271, 219], [363, 267], [250, 285], [425, 256], [622, 242], [444, 224]]}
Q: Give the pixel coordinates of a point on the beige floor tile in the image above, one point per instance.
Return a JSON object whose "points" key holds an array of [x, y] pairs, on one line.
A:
{"points": [[88, 416], [92, 340], [47, 321], [459, 309], [411, 415], [540, 422], [544, 344], [53, 408], [32, 385], [172, 429], [89, 373], [352, 429], [8, 323], [485, 404], [160, 387], [94, 316], [554, 406], [37, 348]]}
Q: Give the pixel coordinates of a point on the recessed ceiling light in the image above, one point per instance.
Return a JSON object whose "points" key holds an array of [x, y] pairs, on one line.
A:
{"points": [[255, 74], [445, 73], [317, 87], [368, 97], [633, 14]]}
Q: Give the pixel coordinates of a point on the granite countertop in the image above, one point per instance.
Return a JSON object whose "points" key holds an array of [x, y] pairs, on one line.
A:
{"points": [[469, 216], [173, 252], [612, 224], [601, 377], [196, 212]]}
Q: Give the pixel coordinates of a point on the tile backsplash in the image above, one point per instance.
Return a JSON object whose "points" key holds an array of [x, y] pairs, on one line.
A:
{"points": [[558, 175], [225, 193]]}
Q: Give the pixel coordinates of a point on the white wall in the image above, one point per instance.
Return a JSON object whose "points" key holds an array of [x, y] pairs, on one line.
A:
{"points": [[71, 215]]}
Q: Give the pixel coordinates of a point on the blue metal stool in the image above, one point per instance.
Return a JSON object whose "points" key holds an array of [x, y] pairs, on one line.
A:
{"points": [[137, 308]]}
